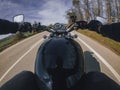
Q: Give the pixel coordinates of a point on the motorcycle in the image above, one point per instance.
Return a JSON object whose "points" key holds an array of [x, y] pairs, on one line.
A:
{"points": [[60, 61], [60, 66]]}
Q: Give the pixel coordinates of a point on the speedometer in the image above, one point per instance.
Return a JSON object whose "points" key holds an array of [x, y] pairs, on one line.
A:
{"points": [[59, 26]]}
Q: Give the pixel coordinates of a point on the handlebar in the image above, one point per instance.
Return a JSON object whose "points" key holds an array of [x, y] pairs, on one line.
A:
{"points": [[71, 28], [61, 32], [50, 30]]}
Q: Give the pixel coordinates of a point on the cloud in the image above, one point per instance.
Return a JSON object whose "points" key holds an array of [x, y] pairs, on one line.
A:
{"points": [[54, 11], [8, 9]]}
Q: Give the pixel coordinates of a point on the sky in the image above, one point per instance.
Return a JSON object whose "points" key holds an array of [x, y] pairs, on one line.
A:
{"points": [[44, 11]]}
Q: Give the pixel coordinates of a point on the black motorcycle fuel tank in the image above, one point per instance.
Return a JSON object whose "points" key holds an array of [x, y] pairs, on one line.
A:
{"points": [[58, 49]]}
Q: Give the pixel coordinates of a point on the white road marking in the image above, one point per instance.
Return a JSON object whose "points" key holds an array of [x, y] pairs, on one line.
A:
{"points": [[102, 59], [17, 61], [19, 43]]}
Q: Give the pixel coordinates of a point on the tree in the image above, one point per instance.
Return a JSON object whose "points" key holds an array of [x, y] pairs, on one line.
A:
{"points": [[108, 8], [117, 8], [87, 10], [79, 14], [100, 7], [93, 9], [71, 15]]}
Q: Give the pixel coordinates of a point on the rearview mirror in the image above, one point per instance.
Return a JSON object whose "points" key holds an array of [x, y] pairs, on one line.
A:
{"points": [[18, 18]]}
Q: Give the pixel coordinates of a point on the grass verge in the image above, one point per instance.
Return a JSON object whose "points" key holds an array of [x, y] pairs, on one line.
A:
{"points": [[111, 44], [5, 43]]}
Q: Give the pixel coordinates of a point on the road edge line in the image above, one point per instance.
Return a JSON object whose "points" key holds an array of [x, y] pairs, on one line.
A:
{"points": [[17, 61], [20, 43], [102, 59]]}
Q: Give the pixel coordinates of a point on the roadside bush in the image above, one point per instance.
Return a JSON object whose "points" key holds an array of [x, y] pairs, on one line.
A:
{"points": [[19, 35]]}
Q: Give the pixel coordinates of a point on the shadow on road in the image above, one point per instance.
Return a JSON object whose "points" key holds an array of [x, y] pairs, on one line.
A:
{"points": [[91, 62]]}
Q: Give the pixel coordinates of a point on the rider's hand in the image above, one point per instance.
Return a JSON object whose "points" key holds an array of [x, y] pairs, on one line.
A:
{"points": [[96, 81]]}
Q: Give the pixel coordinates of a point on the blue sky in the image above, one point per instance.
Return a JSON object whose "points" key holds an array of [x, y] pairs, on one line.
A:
{"points": [[44, 11]]}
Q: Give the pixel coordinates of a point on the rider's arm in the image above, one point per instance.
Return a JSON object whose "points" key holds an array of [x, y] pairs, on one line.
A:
{"points": [[23, 81]]}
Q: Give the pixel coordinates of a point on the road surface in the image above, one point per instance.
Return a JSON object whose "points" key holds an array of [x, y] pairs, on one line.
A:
{"points": [[21, 56]]}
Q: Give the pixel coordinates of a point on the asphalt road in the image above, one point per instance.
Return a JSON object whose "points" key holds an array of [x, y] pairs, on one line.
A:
{"points": [[21, 56]]}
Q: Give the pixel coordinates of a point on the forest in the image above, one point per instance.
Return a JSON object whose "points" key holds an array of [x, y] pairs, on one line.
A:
{"points": [[90, 9], [86, 12]]}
